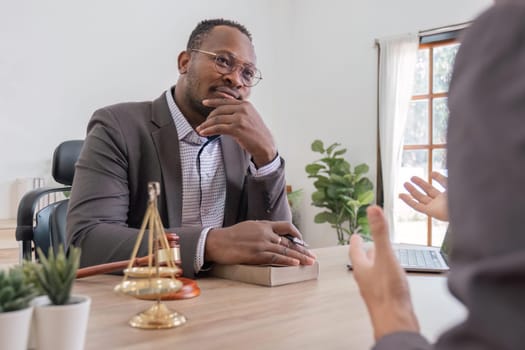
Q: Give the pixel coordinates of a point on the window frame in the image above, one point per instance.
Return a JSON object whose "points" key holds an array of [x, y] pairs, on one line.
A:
{"points": [[430, 146]]}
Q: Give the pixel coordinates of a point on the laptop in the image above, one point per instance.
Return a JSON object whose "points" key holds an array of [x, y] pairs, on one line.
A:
{"points": [[418, 258]]}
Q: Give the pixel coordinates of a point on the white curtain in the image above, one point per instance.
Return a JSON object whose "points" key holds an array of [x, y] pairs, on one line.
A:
{"points": [[397, 65]]}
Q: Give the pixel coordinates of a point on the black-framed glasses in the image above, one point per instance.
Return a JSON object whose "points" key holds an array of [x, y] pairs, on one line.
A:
{"points": [[227, 63]]}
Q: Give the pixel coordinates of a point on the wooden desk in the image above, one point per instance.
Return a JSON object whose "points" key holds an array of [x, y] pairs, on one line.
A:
{"points": [[323, 314]]}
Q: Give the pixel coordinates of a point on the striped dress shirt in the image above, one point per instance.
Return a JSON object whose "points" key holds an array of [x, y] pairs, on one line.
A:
{"points": [[203, 178]]}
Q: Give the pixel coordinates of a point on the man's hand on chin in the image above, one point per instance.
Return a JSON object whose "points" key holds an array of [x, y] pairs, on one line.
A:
{"points": [[240, 120], [381, 280]]}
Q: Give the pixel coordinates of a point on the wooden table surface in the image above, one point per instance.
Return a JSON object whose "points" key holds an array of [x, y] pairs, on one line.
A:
{"points": [[324, 314]]}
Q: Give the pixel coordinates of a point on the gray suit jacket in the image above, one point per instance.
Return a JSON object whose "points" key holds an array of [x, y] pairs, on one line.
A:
{"points": [[486, 162], [131, 144]]}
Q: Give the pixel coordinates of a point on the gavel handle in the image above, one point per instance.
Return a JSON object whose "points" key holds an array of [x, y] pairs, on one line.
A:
{"points": [[109, 267], [172, 238]]}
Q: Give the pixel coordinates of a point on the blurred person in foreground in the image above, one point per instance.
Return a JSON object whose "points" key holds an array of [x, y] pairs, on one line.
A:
{"points": [[485, 200]]}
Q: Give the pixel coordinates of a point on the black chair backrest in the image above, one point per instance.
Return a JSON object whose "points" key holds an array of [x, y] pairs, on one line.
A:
{"points": [[64, 160], [57, 224], [48, 228], [41, 231]]}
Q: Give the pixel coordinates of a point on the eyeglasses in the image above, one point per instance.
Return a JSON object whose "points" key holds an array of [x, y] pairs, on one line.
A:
{"points": [[226, 64]]}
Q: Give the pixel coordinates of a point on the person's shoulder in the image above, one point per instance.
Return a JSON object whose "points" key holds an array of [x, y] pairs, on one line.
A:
{"points": [[127, 107], [138, 109], [502, 11], [129, 115], [125, 115]]}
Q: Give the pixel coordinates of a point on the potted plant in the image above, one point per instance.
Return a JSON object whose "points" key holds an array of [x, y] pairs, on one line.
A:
{"points": [[343, 192], [60, 320], [16, 294]]}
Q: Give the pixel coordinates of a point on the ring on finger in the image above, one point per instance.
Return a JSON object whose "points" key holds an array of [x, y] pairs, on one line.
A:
{"points": [[285, 250]]}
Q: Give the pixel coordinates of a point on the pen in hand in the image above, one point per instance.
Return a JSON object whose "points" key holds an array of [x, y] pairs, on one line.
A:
{"points": [[296, 240]]}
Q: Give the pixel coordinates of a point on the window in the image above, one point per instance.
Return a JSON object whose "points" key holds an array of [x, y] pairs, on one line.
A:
{"points": [[424, 144]]}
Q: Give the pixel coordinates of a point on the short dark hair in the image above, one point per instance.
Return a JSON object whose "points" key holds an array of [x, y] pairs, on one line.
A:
{"points": [[204, 28]]}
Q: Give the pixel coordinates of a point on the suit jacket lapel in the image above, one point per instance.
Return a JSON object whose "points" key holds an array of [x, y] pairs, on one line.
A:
{"points": [[165, 138], [235, 173]]}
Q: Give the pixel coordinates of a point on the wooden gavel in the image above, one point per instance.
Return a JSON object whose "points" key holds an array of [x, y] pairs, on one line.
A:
{"points": [[189, 289]]}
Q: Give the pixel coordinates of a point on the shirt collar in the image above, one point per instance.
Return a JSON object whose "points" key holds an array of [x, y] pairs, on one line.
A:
{"points": [[184, 129]]}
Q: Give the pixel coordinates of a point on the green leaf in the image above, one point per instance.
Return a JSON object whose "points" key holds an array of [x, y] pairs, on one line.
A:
{"points": [[341, 167], [365, 229], [350, 212], [345, 198], [365, 197], [328, 161], [361, 169], [322, 182], [318, 196], [363, 185], [362, 221], [343, 191], [352, 203], [337, 178], [331, 192], [325, 217], [339, 152], [317, 146], [331, 148], [313, 169]]}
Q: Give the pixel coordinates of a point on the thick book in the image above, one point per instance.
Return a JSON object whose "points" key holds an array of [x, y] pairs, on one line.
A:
{"points": [[266, 275]]}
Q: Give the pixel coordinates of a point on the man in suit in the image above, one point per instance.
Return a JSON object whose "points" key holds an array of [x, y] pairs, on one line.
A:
{"points": [[486, 162], [222, 180]]}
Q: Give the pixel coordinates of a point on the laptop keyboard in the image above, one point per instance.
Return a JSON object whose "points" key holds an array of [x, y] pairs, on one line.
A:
{"points": [[418, 258]]}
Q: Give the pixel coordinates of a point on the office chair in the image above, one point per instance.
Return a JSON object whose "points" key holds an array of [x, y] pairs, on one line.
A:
{"points": [[47, 227]]}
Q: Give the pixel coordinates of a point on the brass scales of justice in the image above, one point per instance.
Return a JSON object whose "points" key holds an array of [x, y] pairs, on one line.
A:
{"points": [[153, 281]]}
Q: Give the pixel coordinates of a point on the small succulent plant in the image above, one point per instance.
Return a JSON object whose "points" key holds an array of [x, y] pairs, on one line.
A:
{"points": [[56, 273], [15, 291]]}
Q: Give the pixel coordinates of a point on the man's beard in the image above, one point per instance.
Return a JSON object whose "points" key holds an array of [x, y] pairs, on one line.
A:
{"points": [[196, 102], [197, 105]]}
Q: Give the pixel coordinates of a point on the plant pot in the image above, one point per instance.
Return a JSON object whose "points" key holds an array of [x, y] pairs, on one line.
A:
{"points": [[14, 329], [61, 327]]}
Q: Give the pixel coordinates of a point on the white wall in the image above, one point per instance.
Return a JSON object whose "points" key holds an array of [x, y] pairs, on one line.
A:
{"points": [[60, 60]]}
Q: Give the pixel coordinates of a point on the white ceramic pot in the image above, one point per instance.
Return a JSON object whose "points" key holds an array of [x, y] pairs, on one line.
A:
{"points": [[14, 329], [61, 327]]}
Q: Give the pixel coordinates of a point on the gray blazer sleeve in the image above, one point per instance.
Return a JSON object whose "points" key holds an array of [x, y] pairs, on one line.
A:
{"points": [[402, 341], [486, 162], [105, 212], [266, 197]]}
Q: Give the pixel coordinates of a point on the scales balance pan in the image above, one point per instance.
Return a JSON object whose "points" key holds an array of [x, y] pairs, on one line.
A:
{"points": [[149, 288], [189, 288]]}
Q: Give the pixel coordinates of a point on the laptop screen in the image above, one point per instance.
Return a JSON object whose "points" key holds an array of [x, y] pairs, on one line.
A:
{"points": [[446, 247]]}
